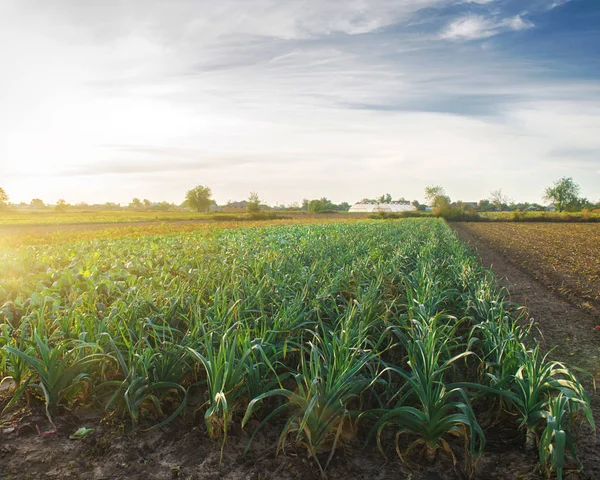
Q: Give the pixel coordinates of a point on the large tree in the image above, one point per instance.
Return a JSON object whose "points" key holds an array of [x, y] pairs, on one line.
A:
{"points": [[433, 193], [562, 193], [500, 199], [436, 196], [199, 198]]}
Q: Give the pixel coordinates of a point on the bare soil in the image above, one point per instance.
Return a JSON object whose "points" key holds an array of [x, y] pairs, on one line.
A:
{"points": [[565, 326], [183, 449]]}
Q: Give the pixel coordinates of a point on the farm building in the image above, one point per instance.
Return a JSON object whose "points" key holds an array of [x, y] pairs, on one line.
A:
{"points": [[381, 207]]}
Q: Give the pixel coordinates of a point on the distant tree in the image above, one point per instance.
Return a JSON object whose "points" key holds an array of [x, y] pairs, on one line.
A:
{"points": [[463, 208], [253, 203], [344, 206], [136, 204], [432, 193], [198, 198], [420, 207], [147, 203], [441, 202], [315, 206], [111, 206], [37, 203], [584, 204], [385, 198], [61, 205], [499, 199], [321, 204], [562, 193], [485, 205], [3, 198], [161, 206]]}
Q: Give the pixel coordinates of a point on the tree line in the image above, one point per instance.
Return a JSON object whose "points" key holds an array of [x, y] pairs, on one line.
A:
{"points": [[563, 194]]}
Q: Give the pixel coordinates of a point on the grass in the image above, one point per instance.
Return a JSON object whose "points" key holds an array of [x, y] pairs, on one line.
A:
{"points": [[334, 330]]}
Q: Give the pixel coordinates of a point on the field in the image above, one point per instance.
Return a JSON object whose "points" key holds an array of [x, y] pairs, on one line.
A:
{"points": [[76, 216], [12, 236], [344, 350], [558, 217], [565, 257]]}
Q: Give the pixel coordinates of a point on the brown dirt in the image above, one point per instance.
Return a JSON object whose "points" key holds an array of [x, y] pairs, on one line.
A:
{"points": [[183, 449], [564, 257], [562, 326]]}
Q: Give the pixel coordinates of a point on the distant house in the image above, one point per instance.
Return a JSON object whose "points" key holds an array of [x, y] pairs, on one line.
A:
{"points": [[471, 204], [381, 207], [550, 208], [235, 206]]}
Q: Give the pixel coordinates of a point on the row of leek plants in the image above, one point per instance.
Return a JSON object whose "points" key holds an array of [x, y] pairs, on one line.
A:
{"points": [[338, 329]]}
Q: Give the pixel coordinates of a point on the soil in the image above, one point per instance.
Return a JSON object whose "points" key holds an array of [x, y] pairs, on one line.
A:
{"points": [[564, 329], [184, 450]]}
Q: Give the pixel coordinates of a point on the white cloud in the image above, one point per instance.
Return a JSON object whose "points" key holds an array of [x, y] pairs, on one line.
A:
{"points": [[471, 27], [557, 3], [272, 96], [517, 23]]}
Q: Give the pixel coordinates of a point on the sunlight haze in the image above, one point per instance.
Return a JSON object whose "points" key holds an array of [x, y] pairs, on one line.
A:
{"points": [[110, 100]]}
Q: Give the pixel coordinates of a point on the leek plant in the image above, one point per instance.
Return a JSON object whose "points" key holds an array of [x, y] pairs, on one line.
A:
{"points": [[56, 370], [328, 383], [556, 439], [150, 374], [429, 407]]}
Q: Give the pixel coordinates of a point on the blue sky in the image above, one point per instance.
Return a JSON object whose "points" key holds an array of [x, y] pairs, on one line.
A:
{"points": [[107, 100]]}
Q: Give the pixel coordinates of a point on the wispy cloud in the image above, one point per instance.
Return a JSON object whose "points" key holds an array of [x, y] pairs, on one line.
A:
{"points": [[275, 95], [471, 27]]}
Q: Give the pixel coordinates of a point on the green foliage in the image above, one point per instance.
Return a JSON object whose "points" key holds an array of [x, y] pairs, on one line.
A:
{"points": [[37, 203], [198, 198], [253, 204], [320, 205], [335, 329], [57, 368], [429, 407], [435, 195], [385, 198], [153, 367], [61, 205], [563, 193], [331, 375], [556, 441], [3, 197]]}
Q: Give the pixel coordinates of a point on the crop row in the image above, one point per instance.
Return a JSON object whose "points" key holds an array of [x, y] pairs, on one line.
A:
{"points": [[334, 330]]}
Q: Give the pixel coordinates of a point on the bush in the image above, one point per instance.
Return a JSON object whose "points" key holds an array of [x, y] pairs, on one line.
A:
{"points": [[457, 214], [397, 215]]}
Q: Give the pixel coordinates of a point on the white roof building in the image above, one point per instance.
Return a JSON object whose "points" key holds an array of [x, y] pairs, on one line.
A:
{"points": [[381, 207]]}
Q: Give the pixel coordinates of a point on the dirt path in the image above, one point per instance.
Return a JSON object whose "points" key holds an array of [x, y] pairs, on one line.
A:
{"points": [[562, 326]]}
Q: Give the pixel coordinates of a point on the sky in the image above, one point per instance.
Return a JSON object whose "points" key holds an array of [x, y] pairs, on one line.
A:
{"points": [[106, 100]]}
